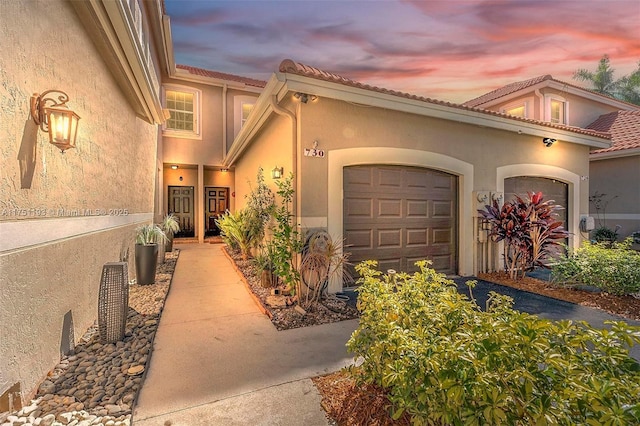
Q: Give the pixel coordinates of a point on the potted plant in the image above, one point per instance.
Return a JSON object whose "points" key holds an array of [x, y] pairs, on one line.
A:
{"points": [[147, 239], [170, 227]]}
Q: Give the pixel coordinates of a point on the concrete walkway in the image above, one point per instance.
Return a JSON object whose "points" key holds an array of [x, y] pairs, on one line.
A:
{"points": [[217, 360]]}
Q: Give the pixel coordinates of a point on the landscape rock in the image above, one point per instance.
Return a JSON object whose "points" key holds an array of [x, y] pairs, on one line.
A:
{"points": [[90, 387]]}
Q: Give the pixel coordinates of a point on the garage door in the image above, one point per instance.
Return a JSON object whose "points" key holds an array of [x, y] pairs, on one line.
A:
{"points": [[551, 190], [398, 215]]}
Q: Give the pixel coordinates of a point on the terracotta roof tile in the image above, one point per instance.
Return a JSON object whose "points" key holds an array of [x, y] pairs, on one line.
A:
{"points": [[624, 127], [292, 67], [520, 85], [506, 90], [222, 76]]}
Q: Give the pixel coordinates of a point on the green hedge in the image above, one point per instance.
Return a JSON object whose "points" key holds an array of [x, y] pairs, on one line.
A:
{"points": [[444, 361], [614, 268]]}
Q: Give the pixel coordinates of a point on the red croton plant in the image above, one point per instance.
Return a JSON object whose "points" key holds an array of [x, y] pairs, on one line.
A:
{"points": [[529, 229]]}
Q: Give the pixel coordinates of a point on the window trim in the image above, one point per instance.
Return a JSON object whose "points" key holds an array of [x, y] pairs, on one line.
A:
{"points": [[197, 112], [519, 103], [238, 102], [547, 108]]}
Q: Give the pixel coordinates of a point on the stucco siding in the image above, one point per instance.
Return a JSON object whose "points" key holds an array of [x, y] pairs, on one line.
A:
{"points": [[619, 180], [271, 148], [339, 125], [68, 213], [208, 148]]}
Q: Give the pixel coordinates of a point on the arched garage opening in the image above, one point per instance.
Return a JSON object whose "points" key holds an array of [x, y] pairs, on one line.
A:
{"points": [[552, 189], [398, 215]]}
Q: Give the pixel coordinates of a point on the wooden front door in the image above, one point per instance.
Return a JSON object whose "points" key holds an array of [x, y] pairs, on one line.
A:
{"points": [[181, 205], [216, 203]]}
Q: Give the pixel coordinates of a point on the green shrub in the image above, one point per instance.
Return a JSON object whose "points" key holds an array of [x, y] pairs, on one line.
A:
{"points": [[287, 242], [614, 268], [261, 200], [445, 362], [605, 235]]}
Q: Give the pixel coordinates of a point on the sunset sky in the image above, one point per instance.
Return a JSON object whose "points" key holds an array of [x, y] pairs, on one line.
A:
{"points": [[449, 50]]}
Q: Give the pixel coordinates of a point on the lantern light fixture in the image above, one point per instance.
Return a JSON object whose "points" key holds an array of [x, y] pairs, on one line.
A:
{"points": [[49, 110], [277, 172]]}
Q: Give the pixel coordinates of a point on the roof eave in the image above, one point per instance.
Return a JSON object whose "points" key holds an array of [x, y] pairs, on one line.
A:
{"points": [[558, 85], [185, 75], [282, 83], [259, 114], [595, 156], [338, 91]]}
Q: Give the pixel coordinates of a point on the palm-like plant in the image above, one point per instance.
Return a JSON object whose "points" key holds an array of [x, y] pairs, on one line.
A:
{"points": [[241, 230], [627, 88], [602, 79]]}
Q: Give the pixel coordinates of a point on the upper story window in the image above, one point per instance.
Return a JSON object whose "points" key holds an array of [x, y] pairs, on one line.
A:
{"points": [[246, 109], [556, 109], [183, 105], [242, 107], [517, 109]]}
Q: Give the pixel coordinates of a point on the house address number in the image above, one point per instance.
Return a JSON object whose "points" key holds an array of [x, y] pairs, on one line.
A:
{"points": [[312, 152]]}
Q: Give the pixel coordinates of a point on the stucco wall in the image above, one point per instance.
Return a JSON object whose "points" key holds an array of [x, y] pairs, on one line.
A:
{"points": [[273, 148], [619, 180], [47, 293], [62, 216], [207, 149], [339, 125]]}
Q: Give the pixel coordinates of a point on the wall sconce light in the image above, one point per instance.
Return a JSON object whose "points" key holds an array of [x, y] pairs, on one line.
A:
{"points": [[304, 98], [174, 167], [548, 142], [277, 172], [54, 116]]}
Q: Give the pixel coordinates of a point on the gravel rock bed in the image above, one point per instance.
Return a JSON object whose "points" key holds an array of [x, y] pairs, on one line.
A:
{"points": [[330, 309], [97, 384]]}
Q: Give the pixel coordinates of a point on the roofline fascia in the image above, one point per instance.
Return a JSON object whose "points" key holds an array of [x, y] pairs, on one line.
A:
{"points": [[565, 88], [259, 115], [184, 75], [614, 154], [168, 45], [281, 83], [110, 26], [338, 91]]}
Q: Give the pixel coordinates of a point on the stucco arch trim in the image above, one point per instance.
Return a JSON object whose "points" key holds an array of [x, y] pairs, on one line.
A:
{"points": [[338, 159], [550, 172]]}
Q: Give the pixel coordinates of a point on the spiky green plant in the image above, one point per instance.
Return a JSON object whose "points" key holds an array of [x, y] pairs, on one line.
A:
{"points": [[170, 225], [150, 234]]}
